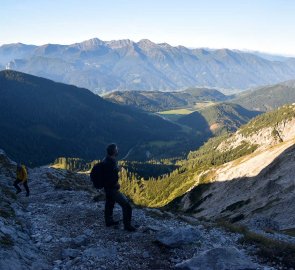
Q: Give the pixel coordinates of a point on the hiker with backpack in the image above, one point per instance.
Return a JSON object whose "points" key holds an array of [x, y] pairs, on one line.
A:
{"points": [[21, 178], [105, 175]]}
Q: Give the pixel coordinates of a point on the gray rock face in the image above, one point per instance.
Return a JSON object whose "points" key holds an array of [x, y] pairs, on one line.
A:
{"points": [[219, 259], [264, 223], [179, 236], [261, 185]]}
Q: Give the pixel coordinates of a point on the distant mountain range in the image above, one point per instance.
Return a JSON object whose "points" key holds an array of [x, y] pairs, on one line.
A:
{"points": [[104, 66], [41, 120], [268, 56]]}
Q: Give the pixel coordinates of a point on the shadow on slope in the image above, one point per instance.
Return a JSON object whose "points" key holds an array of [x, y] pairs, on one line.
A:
{"points": [[270, 194], [41, 120]]}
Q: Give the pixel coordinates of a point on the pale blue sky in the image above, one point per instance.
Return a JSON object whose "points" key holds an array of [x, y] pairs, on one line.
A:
{"points": [[264, 25]]}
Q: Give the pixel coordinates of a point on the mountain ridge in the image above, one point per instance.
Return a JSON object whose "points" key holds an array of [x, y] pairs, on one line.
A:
{"points": [[155, 101], [267, 98], [103, 66]]}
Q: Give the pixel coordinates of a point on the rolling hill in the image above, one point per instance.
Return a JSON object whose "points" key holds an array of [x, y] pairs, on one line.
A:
{"points": [[267, 98], [41, 120], [218, 119], [155, 101], [104, 66]]}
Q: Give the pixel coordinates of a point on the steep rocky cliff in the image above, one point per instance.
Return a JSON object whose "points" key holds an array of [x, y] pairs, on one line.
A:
{"points": [[256, 186]]}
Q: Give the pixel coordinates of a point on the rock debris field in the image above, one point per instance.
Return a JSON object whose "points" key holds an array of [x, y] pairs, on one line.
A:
{"points": [[61, 226]]}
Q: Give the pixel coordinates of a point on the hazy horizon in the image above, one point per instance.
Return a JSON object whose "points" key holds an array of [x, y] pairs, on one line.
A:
{"points": [[263, 26], [206, 48]]}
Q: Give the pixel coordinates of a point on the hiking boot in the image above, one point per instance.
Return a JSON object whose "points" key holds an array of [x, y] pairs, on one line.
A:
{"points": [[112, 223], [129, 228], [27, 194]]}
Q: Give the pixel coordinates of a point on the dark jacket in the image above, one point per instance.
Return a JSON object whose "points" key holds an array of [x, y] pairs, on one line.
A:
{"points": [[111, 173]]}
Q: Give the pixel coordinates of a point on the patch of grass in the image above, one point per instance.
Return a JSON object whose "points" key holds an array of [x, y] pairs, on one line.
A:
{"points": [[6, 211], [177, 111], [171, 117], [290, 232], [281, 252], [270, 249], [201, 105]]}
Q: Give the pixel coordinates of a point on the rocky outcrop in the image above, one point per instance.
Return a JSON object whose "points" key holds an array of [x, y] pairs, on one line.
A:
{"points": [[181, 236], [265, 136], [17, 250]]}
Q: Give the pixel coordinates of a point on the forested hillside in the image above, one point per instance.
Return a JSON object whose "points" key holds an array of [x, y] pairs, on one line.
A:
{"points": [[155, 101], [267, 98], [41, 120], [218, 119]]}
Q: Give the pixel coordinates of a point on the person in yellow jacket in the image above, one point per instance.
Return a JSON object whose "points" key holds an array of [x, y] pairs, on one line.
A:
{"points": [[21, 178]]}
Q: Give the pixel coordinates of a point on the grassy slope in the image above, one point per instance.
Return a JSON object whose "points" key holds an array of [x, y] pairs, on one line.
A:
{"points": [[219, 118], [267, 98]]}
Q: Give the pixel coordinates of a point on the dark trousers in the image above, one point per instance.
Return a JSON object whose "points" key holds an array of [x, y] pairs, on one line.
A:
{"points": [[115, 196], [17, 181]]}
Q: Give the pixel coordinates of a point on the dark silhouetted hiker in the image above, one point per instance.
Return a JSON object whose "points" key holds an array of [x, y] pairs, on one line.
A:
{"points": [[111, 187], [21, 178]]}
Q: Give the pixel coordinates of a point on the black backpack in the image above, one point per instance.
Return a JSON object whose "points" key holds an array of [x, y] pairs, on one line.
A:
{"points": [[96, 175]]}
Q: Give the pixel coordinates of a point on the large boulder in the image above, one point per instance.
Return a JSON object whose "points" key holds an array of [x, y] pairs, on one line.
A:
{"points": [[178, 236], [222, 258]]}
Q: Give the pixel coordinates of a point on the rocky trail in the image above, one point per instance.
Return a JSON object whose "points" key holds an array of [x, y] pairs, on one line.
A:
{"points": [[61, 226]]}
